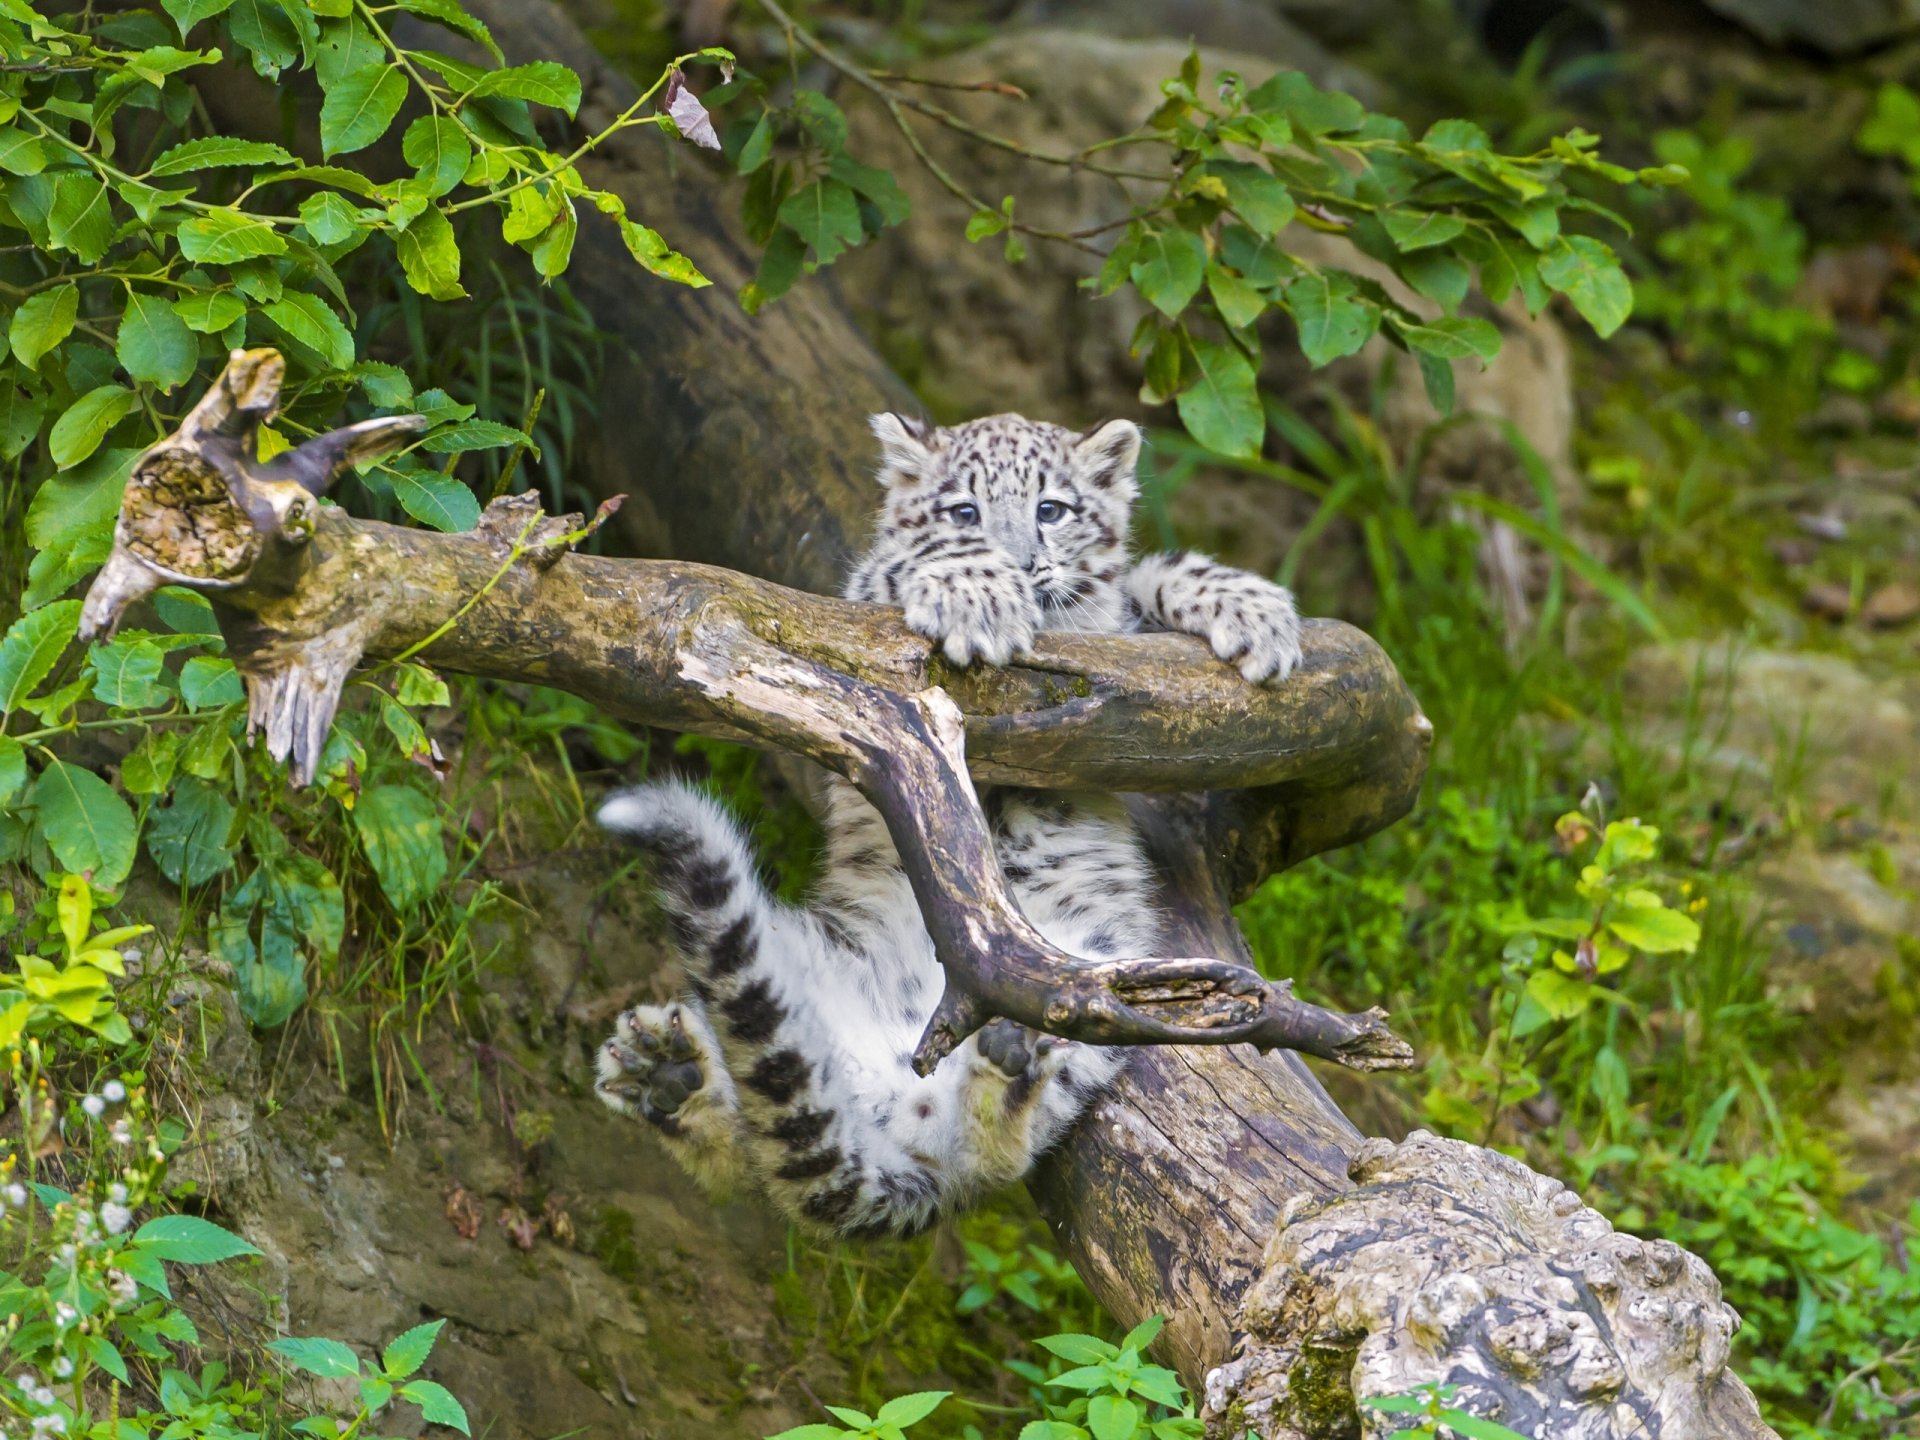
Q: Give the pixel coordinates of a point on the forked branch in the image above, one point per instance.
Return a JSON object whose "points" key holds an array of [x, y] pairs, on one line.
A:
{"points": [[304, 592]]}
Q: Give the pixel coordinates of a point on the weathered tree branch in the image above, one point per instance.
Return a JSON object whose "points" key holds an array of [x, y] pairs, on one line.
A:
{"points": [[303, 593]]}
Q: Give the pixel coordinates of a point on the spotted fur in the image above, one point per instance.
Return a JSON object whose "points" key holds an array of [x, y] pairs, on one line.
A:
{"points": [[790, 1062]]}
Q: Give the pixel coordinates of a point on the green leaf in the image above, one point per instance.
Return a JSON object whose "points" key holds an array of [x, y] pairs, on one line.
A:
{"points": [[1439, 275], [82, 217], [1256, 195], [21, 153], [1050, 1430], [1655, 929], [210, 311], [42, 322], [1169, 269], [1221, 409], [21, 412], [347, 46], [1437, 375], [780, 267], [905, 1410], [328, 1359], [819, 1430], [430, 256], [544, 82], [148, 768], [126, 672], [758, 147], [400, 830], [440, 501], [154, 344], [1588, 274], [188, 838], [83, 501], [190, 1240], [78, 433], [1416, 229], [1144, 1334], [437, 1405], [826, 215], [872, 184], [439, 150], [87, 826], [188, 13], [1077, 1348], [359, 108], [464, 435], [1452, 337], [451, 15], [1240, 304], [13, 770], [225, 237], [1310, 109], [310, 320], [207, 681], [1110, 1417], [1331, 322], [1561, 996], [824, 121], [407, 1352], [217, 150]]}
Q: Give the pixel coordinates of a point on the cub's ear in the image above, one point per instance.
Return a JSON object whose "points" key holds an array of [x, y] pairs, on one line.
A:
{"points": [[1104, 457], [904, 447]]}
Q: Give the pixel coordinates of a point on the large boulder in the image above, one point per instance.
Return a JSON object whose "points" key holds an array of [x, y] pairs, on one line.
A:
{"points": [[1837, 27]]}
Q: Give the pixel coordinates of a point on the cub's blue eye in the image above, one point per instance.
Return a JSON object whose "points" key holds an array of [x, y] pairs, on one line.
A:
{"points": [[1050, 511], [964, 514]]}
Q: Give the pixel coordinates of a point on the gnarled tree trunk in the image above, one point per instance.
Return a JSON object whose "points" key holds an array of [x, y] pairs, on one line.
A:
{"points": [[1302, 1268]]}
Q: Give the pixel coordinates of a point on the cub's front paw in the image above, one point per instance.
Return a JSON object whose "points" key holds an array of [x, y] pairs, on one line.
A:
{"points": [[1015, 1050], [991, 616], [1255, 627], [657, 1060]]}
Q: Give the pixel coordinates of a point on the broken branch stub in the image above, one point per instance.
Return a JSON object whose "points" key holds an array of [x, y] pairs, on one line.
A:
{"points": [[200, 509], [1447, 1260], [303, 592]]}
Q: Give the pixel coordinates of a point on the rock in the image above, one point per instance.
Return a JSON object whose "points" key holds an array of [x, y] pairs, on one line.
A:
{"points": [[1892, 605], [1828, 600], [1838, 27], [1832, 743]]}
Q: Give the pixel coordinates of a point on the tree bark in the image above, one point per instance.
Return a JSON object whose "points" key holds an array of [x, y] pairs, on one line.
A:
{"points": [[1302, 1268]]}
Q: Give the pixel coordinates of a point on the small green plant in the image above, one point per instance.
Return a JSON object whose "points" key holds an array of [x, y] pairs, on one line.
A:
{"points": [[1432, 1415], [1620, 919], [1117, 1393], [891, 1422], [69, 982], [380, 1385], [1030, 1276]]}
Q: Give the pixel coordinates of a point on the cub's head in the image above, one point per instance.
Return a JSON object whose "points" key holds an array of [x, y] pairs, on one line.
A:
{"points": [[1057, 502]]}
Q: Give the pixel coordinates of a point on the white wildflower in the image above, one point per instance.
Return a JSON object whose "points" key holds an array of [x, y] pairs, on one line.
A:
{"points": [[62, 1368], [115, 1216], [114, 1091], [122, 1131], [94, 1106], [64, 1314], [16, 1194], [122, 1288]]}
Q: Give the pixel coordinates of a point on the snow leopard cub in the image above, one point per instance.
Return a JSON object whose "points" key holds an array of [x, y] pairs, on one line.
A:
{"points": [[789, 1064]]}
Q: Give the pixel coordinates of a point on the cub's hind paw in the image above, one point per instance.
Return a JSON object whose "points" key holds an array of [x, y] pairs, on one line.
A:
{"points": [[657, 1060], [1013, 1048]]}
